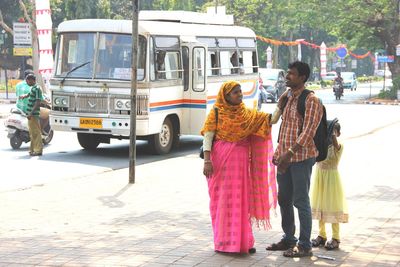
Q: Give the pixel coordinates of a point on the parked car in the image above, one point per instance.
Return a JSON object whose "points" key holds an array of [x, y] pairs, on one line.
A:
{"points": [[349, 80], [330, 76], [273, 81]]}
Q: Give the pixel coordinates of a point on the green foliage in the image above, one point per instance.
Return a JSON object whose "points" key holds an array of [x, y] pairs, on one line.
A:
{"points": [[365, 79], [388, 94], [396, 83]]}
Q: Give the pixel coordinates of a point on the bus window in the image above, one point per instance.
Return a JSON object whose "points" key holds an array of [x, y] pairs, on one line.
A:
{"points": [[246, 42], [185, 64], [198, 69], [114, 57], [247, 62], [172, 65], [76, 49], [212, 63], [226, 42], [167, 64], [209, 41], [225, 60], [234, 59], [160, 65]]}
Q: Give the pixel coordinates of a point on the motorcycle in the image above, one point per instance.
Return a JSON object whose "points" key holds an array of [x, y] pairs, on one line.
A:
{"points": [[18, 131], [337, 89]]}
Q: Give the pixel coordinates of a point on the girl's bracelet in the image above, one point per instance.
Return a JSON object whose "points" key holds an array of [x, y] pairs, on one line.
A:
{"points": [[207, 161]]}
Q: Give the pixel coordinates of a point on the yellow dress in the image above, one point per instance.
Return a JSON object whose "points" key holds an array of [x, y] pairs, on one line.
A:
{"points": [[328, 202]]}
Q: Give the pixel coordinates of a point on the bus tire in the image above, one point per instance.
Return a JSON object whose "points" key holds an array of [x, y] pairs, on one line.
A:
{"points": [[88, 141], [161, 143]]}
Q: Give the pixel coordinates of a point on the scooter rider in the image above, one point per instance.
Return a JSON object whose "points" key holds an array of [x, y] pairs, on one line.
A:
{"points": [[339, 81]]}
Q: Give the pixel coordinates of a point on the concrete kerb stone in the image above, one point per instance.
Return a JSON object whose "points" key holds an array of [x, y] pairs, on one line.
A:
{"points": [[394, 103]]}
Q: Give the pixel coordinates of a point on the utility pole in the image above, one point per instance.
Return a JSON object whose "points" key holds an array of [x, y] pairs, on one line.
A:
{"points": [[216, 7], [132, 139]]}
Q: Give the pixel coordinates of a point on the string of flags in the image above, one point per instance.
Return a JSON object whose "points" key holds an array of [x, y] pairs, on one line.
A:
{"points": [[314, 46]]}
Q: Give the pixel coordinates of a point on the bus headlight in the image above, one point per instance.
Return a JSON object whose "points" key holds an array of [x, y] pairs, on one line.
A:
{"points": [[119, 104], [122, 104], [61, 101]]}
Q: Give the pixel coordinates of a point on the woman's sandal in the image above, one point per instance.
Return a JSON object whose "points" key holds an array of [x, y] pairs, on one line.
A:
{"points": [[252, 250], [319, 241], [332, 244], [297, 252]]}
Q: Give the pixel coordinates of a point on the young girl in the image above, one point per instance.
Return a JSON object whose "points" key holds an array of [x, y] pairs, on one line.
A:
{"points": [[328, 201]]}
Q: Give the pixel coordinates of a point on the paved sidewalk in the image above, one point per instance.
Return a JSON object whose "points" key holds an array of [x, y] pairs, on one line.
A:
{"points": [[163, 219]]}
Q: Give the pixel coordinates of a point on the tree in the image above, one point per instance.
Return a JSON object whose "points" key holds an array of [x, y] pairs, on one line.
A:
{"points": [[370, 24]]}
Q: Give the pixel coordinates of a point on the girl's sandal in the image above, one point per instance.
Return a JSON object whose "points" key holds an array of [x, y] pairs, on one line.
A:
{"points": [[332, 244], [319, 241]]}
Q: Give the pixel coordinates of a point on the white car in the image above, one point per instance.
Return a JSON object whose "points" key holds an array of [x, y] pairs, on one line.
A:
{"points": [[349, 80], [330, 76]]}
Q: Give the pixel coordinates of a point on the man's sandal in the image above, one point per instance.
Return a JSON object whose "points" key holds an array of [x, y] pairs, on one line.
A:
{"points": [[281, 245], [319, 241], [332, 244], [298, 252]]}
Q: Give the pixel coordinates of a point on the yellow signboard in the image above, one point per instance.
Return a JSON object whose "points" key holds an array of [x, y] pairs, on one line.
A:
{"points": [[90, 123], [22, 51]]}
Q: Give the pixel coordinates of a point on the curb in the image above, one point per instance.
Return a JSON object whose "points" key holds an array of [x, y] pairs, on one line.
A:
{"points": [[8, 101], [382, 103]]}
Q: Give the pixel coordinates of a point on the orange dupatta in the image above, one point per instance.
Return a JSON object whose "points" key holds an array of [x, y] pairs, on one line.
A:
{"points": [[235, 123]]}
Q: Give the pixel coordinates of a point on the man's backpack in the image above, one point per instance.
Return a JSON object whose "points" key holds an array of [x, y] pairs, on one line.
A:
{"points": [[321, 135]]}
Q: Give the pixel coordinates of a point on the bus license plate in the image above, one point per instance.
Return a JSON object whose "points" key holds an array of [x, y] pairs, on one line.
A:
{"points": [[90, 123]]}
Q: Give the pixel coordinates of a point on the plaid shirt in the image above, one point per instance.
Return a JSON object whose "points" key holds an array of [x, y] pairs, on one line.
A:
{"points": [[293, 130]]}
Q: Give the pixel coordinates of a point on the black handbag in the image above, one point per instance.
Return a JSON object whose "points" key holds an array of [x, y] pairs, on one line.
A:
{"points": [[201, 155]]}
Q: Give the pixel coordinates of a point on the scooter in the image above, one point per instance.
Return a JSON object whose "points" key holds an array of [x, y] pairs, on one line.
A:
{"points": [[337, 89], [17, 126]]}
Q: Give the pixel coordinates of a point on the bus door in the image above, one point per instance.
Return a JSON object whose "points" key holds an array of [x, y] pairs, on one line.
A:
{"points": [[195, 81]]}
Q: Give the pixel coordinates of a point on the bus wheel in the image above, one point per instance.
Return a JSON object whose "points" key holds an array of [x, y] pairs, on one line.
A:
{"points": [[162, 143], [88, 141]]}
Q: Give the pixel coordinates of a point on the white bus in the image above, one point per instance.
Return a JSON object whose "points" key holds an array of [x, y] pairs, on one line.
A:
{"points": [[183, 58]]}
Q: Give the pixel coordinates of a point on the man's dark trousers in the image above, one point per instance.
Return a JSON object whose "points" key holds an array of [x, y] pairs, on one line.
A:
{"points": [[294, 186]]}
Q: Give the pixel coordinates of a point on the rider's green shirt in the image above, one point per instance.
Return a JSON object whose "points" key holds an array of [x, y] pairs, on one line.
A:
{"points": [[34, 95], [22, 88]]}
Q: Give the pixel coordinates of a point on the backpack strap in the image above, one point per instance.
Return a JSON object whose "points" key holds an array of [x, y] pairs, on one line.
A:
{"points": [[301, 102]]}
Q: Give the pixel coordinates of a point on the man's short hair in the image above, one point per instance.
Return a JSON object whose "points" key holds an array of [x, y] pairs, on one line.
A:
{"points": [[30, 76], [26, 72], [302, 68]]}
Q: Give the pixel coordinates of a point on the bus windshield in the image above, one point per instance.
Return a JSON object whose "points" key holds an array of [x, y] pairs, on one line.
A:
{"points": [[112, 60]]}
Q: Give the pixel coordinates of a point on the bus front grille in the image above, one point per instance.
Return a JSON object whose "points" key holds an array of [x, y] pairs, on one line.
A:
{"points": [[98, 103]]}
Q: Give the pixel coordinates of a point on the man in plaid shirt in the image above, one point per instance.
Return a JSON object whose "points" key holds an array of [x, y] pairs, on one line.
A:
{"points": [[295, 157]]}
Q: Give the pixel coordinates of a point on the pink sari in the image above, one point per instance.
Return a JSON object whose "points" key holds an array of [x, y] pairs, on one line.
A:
{"points": [[242, 190]]}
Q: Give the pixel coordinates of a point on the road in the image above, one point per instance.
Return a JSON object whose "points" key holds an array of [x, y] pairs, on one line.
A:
{"points": [[65, 159]]}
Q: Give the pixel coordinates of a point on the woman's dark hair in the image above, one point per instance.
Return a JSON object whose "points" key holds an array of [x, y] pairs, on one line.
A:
{"points": [[302, 68]]}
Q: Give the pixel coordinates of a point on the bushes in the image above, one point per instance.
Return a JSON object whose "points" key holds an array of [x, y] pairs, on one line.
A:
{"points": [[364, 79], [392, 92]]}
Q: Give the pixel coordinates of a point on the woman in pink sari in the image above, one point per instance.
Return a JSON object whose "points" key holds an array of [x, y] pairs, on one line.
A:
{"points": [[238, 166]]}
